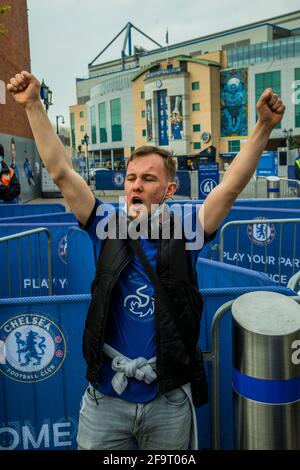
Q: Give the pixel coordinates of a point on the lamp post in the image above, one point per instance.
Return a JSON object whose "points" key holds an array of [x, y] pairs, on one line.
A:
{"points": [[57, 119], [46, 95], [288, 135], [86, 140]]}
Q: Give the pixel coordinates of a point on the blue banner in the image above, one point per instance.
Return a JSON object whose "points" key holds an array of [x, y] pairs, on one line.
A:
{"points": [[110, 180], [9, 210], [162, 107], [208, 178]]}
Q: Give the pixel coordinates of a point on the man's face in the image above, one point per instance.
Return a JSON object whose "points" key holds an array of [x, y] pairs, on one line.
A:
{"points": [[146, 183]]}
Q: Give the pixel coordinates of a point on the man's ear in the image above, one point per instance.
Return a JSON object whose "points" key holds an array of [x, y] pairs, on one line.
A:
{"points": [[171, 190]]}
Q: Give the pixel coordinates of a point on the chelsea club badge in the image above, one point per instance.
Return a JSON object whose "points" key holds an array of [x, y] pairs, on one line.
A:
{"points": [[32, 348]]}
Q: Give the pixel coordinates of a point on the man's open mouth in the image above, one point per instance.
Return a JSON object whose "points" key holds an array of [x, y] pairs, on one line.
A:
{"points": [[137, 202]]}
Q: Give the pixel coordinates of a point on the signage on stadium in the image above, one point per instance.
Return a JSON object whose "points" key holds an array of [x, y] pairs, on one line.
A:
{"points": [[158, 73]]}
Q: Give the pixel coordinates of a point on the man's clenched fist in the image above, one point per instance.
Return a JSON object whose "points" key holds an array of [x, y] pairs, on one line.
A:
{"points": [[25, 88], [270, 109]]}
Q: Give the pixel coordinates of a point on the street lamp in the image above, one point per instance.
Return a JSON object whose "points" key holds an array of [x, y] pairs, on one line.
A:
{"points": [[46, 95], [288, 134], [57, 119], [86, 140]]}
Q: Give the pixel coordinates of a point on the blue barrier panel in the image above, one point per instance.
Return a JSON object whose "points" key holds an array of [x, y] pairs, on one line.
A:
{"points": [[16, 210], [81, 262], [42, 373], [213, 274], [183, 180], [56, 217], [280, 203], [32, 279], [279, 260], [109, 180], [267, 255]]}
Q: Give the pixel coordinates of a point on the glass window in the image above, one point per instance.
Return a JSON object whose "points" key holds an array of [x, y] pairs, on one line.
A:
{"points": [[143, 114], [81, 128], [142, 95], [197, 145], [195, 85], [102, 122], [196, 106], [196, 128], [144, 133], [116, 124], [81, 114], [93, 124], [268, 80], [72, 120], [297, 45], [234, 146]]}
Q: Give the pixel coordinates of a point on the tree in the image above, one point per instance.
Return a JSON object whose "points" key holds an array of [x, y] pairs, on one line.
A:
{"points": [[3, 9]]}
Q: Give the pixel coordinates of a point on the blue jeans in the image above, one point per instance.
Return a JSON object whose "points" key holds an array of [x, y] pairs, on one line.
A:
{"points": [[109, 423]]}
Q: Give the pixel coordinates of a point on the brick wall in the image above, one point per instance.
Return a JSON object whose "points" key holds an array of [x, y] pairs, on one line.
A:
{"points": [[14, 57]]}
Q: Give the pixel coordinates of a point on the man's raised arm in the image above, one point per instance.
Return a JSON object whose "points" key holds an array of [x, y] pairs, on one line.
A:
{"points": [[25, 89], [270, 110]]}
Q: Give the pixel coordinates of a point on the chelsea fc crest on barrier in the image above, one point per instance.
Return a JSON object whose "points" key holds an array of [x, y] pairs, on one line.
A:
{"points": [[32, 348], [261, 233], [118, 179]]}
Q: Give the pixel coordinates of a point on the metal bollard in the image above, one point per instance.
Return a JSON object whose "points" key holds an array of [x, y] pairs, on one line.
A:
{"points": [[273, 187], [266, 371]]}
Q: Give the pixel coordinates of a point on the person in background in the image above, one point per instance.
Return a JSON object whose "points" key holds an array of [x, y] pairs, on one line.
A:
{"points": [[297, 166], [9, 183], [13, 153]]}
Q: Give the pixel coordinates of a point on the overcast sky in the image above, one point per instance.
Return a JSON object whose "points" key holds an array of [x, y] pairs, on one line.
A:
{"points": [[65, 35]]}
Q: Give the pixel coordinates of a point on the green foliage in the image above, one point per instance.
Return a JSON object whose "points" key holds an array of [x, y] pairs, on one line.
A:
{"points": [[3, 9]]}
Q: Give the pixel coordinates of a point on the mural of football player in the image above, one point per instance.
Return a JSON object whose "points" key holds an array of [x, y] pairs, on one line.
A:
{"points": [[234, 106], [28, 170]]}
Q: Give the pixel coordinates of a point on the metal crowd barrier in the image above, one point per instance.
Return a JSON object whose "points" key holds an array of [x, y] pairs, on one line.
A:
{"points": [[289, 187], [258, 187], [18, 270], [253, 222], [213, 357]]}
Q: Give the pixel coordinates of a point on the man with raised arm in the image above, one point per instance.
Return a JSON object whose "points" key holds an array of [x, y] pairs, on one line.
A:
{"points": [[144, 368]]}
